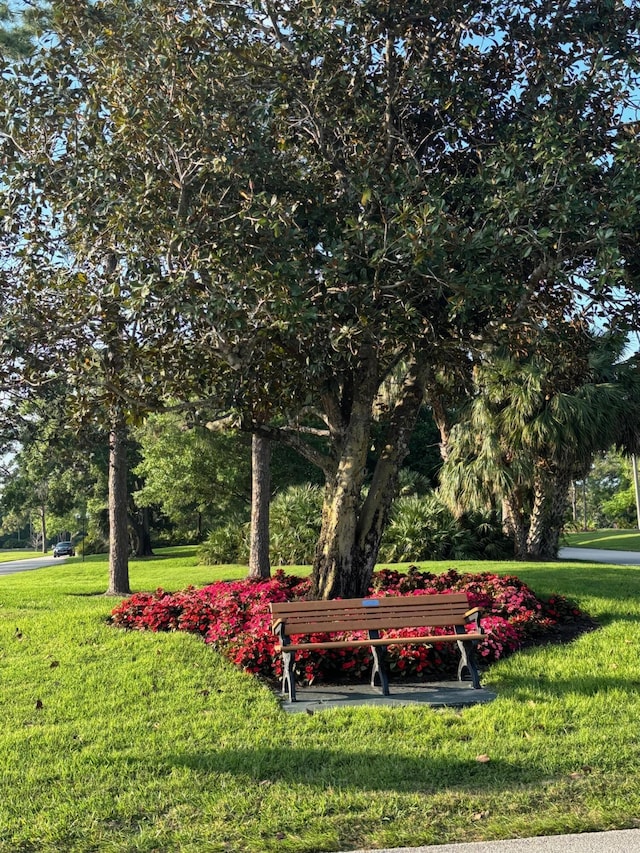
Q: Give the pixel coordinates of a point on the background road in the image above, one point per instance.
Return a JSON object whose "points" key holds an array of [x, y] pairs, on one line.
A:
{"points": [[590, 555]]}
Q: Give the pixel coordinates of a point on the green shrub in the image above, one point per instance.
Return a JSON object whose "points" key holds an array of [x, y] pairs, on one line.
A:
{"points": [[620, 509], [14, 544], [423, 528], [227, 544], [92, 544], [295, 520], [490, 540]]}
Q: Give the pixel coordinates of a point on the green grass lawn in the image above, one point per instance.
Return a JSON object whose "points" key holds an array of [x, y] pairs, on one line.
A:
{"points": [[615, 540], [115, 741], [11, 556]]}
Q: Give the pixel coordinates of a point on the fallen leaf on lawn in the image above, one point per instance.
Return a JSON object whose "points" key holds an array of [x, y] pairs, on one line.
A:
{"points": [[483, 759]]}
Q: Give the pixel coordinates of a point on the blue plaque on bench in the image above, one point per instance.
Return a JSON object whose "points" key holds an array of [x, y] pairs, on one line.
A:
{"points": [[370, 602]]}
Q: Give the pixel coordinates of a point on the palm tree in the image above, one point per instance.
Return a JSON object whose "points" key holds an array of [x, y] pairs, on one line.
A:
{"points": [[533, 425]]}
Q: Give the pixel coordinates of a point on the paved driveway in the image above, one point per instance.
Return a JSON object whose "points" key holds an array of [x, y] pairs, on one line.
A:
{"points": [[599, 555]]}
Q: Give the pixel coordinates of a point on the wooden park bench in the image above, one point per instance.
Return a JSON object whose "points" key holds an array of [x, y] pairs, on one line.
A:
{"points": [[301, 619]]}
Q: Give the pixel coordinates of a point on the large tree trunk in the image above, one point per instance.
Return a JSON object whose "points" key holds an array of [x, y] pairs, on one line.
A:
{"points": [[118, 515], [442, 421], [558, 503], [538, 525], [515, 523], [351, 528], [550, 494], [42, 491], [338, 569], [139, 525], [147, 550], [259, 565]]}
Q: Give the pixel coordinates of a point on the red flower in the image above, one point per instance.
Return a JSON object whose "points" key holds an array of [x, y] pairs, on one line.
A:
{"points": [[234, 618]]}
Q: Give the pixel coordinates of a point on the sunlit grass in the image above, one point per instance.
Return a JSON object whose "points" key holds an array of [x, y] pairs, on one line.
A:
{"points": [[614, 540], [11, 556], [115, 741]]}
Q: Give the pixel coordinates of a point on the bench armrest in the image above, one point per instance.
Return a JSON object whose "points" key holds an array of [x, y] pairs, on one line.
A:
{"points": [[473, 616]]}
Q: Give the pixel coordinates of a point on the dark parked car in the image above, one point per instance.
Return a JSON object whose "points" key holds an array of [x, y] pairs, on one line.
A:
{"points": [[64, 549]]}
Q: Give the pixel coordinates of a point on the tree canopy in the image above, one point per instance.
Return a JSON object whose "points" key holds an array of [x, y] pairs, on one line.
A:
{"points": [[310, 213], [21, 22]]}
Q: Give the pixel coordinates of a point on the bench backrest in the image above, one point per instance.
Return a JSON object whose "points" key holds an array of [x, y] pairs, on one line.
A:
{"points": [[356, 614]]}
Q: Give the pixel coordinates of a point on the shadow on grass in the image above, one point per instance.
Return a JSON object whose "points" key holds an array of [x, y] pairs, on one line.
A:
{"points": [[630, 616], [158, 558], [363, 770], [168, 553], [394, 770], [97, 594]]}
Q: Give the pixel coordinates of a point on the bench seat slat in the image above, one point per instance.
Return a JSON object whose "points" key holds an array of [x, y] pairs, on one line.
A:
{"points": [[392, 607], [373, 612], [436, 600], [360, 623], [382, 641]]}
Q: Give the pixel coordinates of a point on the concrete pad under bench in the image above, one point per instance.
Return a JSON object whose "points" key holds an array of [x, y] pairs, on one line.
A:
{"points": [[437, 694]]}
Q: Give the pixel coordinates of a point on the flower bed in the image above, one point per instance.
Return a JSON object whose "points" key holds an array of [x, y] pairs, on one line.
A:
{"points": [[234, 617]]}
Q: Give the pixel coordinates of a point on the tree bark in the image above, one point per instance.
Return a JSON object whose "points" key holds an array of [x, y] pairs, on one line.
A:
{"points": [[540, 503], [147, 550], [259, 565], [550, 494], [43, 528], [558, 503], [140, 528], [443, 423], [118, 516], [352, 528], [515, 524], [338, 569]]}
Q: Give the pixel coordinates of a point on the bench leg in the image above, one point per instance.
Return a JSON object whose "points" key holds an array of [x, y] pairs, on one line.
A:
{"points": [[379, 670], [468, 662], [288, 675]]}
